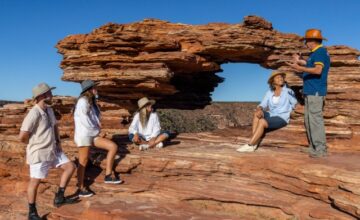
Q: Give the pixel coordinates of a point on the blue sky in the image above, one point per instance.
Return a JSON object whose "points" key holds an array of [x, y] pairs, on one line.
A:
{"points": [[30, 29]]}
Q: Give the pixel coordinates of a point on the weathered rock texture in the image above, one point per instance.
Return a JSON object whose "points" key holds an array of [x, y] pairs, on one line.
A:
{"points": [[176, 64], [198, 176], [202, 176]]}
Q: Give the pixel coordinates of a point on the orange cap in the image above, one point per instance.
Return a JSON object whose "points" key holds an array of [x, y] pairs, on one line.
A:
{"points": [[313, 34]]}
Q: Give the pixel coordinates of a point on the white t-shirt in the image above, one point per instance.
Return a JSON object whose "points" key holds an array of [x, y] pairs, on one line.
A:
{"points": [[151, 130], [87, 122], [276, 99]]}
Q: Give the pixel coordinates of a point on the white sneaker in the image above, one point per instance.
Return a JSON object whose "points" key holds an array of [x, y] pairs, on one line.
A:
{"points": [[160, 145], [143, 147], [246, 148]]}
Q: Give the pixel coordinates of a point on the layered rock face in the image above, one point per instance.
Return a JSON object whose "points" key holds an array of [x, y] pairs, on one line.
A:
{"points": [[176, 65], [173, 63], [197, 175]]}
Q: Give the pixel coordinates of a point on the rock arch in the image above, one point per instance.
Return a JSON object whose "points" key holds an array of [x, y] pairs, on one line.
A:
{"points": [[176, 64]]}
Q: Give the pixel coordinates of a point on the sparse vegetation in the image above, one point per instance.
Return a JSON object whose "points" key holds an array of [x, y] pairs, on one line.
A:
{"points": [[214, 116], [174, 120]]}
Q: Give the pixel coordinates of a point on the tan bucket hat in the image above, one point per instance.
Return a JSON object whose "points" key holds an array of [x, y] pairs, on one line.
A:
{"points": [[145, 101], [40, 89], [273, 74]]}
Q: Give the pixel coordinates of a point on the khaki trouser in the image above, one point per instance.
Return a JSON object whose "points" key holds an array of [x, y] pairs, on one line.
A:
{"points": [[314, 122]]}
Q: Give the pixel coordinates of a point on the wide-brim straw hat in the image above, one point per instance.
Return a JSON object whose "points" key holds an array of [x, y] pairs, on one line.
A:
{"points": [[313, 34], [144, 102], [40, 89], [275, 74], [86, 85]]}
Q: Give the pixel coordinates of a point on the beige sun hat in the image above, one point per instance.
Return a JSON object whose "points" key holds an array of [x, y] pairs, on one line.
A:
{"points": [[40, 89], [273, 74], [145, 101]]}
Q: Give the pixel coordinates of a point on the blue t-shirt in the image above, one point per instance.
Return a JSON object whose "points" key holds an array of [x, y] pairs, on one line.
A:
{"points": [[317, 83]]}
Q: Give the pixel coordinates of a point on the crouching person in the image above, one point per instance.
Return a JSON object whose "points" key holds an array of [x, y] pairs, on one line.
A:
{"points": [[40, 132], [145, 129], [273, 112]]}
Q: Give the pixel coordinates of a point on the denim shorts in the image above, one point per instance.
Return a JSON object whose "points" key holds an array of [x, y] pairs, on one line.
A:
{"points": [[131, 136], [274, 122]]}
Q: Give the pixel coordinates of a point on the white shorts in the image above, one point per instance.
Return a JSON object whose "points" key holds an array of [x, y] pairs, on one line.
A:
{"points": [[85, 141], [41, 170]]}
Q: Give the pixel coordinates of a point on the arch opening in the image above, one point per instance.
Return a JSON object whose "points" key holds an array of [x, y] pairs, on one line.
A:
{"points": [[243, 82]]}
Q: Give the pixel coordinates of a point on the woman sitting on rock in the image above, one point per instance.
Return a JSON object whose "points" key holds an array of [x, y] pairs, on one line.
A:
{"points": [[273, 112], [145, 129], [87, 130]]}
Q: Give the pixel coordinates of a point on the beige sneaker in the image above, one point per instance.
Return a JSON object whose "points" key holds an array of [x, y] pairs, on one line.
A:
{"points": [[143, 147], [246, 148], [160, 145]]}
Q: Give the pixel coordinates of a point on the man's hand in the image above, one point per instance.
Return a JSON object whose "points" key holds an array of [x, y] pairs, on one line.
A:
{"points": [[295, 66], [312, 70], [298, 60]]}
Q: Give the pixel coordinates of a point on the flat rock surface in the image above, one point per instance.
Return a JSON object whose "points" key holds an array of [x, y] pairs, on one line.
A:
{"points": [[195, 177]]}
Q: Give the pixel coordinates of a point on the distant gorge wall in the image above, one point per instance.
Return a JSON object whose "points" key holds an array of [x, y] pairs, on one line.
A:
{"points": [[176, 64]]}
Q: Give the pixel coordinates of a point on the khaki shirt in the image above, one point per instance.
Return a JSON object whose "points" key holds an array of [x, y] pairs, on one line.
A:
{"points": [[42, 142]]}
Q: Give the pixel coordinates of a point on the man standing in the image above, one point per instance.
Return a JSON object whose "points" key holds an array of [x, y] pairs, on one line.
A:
{"points": [[315, 72], [40, 132]]}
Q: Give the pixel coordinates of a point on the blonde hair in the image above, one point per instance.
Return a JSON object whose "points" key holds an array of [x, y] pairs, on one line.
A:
{"points": [[144, 116], [90, 98]]}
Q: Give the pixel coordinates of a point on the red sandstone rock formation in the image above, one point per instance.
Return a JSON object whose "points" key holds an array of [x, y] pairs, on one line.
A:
{"points": [[176, 64], [201, 176]]}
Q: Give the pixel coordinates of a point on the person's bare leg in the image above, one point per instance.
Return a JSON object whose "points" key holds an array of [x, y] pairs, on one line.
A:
{"points": [[262, 125], [161, 138], [111, 147], [255, 123], [83, 159], [69, 169], [32, 189]]}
